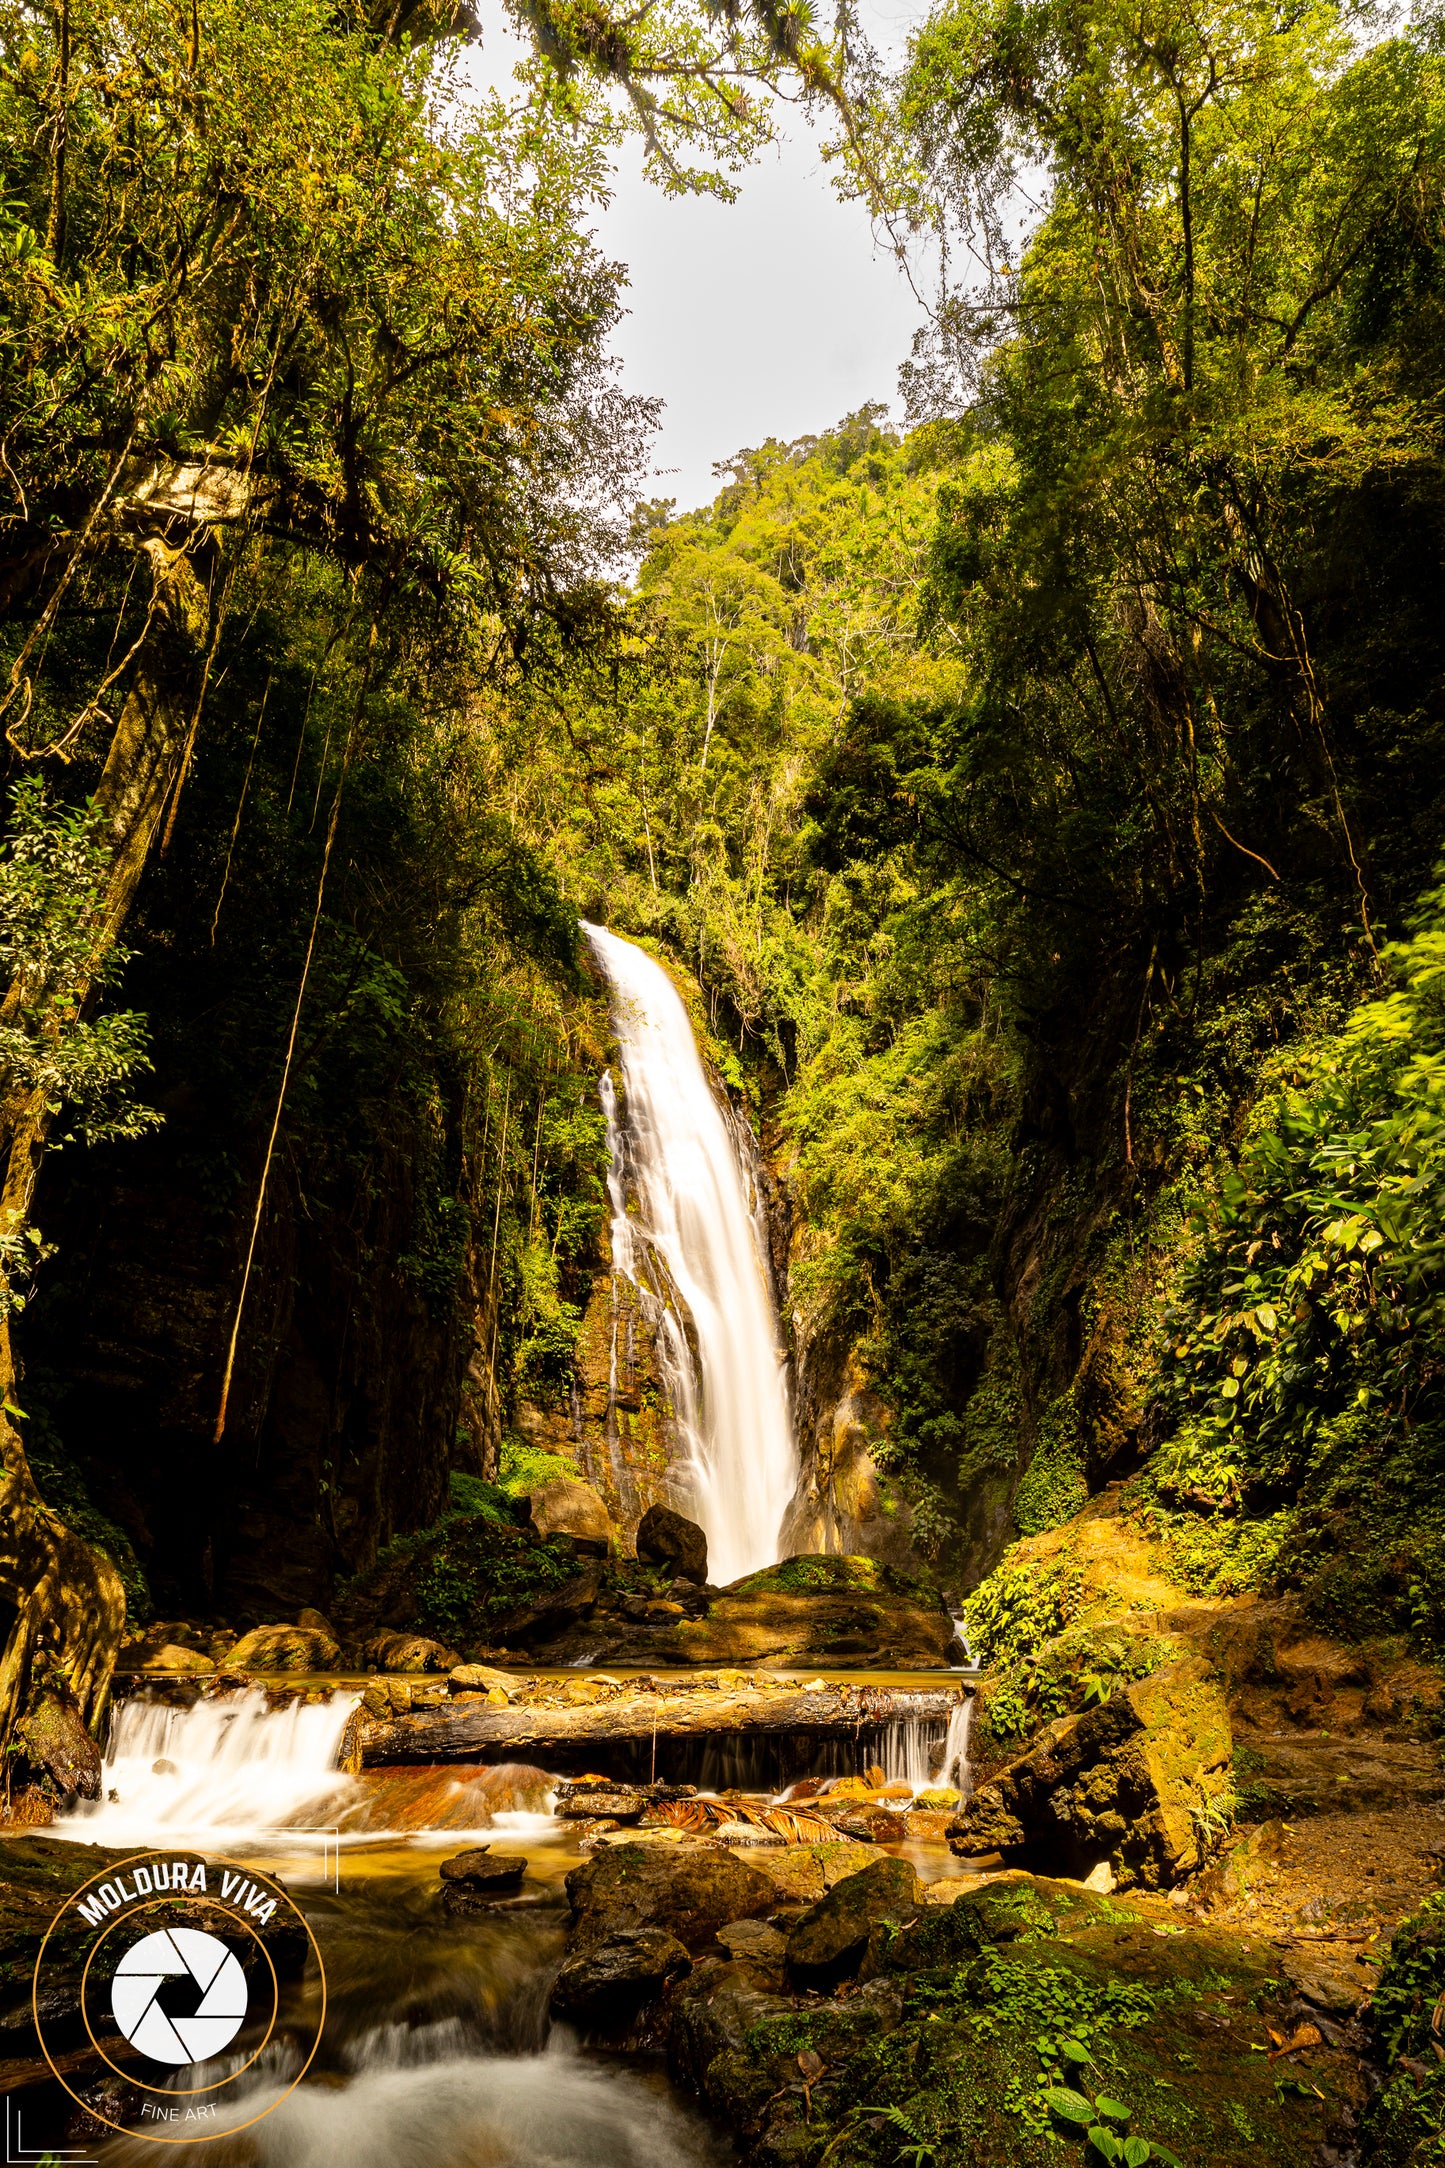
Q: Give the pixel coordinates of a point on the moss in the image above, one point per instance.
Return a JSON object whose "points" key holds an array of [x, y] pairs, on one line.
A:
{"points": [[978, 2012], [525, 1468], [1054, 1486], [819, 1574]]}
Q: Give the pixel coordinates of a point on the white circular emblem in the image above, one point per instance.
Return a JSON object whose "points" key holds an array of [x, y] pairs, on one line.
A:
{"points": [[179, 1953]]}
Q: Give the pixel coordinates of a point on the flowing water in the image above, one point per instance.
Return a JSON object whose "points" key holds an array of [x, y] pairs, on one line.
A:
{"points": [[695, 1248], [437, 2050]]}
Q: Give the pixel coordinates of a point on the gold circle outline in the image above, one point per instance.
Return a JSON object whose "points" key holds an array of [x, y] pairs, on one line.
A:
{"points": [[176, 2092], [219, 1859]]}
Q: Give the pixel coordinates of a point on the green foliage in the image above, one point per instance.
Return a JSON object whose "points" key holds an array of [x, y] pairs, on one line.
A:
{"points": [[52, 916], [1306, 1343], [1404, 2125], [1054, 1485], [526, 1468], [818, 1574], [1022, 1604]]}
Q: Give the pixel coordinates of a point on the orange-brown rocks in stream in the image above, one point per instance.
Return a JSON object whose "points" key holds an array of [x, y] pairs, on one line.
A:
{"points": [[574, 1510], [1136, 1781], [411, 1653], [284, 1648], [689, 1894]]}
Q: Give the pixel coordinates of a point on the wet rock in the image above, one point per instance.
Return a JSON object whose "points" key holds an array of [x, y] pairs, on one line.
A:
{"points": [[845, 1611], [666, 1538], [53, 1742], [284, 1648], [411, 1653], [565, 1508], [316, 1622], [169, 1657], [617, 1806], [829, 1942], [689, 1894], [754, 1942], [610, 1980], [480, 1876], [1124, 1782], [481, 1679], [556, 1609]]}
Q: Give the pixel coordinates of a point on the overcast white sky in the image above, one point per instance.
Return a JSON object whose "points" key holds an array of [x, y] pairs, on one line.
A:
{"points": [[772, 316]]}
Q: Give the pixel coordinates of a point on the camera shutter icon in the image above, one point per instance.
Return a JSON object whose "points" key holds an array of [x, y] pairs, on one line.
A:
{"points": [[179, 1953]]}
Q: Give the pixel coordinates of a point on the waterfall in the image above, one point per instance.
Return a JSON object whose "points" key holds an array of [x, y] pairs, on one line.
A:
{"points": [[955, 1768], [226, 1770], [909, 1745], [694, 1248]]}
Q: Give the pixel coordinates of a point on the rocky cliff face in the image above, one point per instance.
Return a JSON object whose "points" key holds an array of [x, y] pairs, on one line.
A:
{"points": [[346, 1395]]}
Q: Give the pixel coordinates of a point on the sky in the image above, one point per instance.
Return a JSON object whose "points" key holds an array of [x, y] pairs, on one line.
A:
{"points": [[774, 315]]}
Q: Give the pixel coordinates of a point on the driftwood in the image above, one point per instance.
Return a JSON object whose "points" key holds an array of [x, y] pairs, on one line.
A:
{"points": [[457, 1729]]}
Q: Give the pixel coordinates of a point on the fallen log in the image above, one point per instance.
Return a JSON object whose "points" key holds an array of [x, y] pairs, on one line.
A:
{"points": [[453, 1731]]}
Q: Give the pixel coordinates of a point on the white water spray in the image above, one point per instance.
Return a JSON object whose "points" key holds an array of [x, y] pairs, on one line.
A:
{"points": [[955, 1769], [696, 1238], [222, 1772]]}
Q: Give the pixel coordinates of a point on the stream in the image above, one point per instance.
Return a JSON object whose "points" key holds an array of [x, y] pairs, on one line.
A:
{"points": [[437, 2047]]}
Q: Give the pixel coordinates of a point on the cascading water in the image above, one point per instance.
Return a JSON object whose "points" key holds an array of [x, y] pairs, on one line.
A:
{"points": [[955, 1768], [693, 1250], [219, 1772]]}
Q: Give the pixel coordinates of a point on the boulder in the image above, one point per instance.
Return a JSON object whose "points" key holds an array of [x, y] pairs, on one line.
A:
{"points": [[609, 1981], [1328, 1979], [686, 1894], [283, 1648], [410, 1653], [564, 1508], [1131, 1782], [479, 1875], [480, 1679], [829, 1941], [54, 1743], [666, 1538], [316, 1622], [172, 1658]]}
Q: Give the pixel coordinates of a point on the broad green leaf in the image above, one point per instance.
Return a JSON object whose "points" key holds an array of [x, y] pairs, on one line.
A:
{"points": [[1114, 2109], [1070, 2105]]}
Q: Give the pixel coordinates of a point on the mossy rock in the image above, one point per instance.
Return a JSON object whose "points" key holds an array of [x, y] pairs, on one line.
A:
{"points": [[977, 2011], [1132, 1781], [829, 1941], [689, 1894]]}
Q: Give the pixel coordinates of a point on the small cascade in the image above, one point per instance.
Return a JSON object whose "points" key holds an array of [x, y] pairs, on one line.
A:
{"points": [[955, 1769], [224, 1771], [686, 1233], [960, 1635], [910, 1747]]}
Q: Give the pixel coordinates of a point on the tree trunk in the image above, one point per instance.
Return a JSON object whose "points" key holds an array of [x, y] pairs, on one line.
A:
{"points": [[68, 1600]]}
